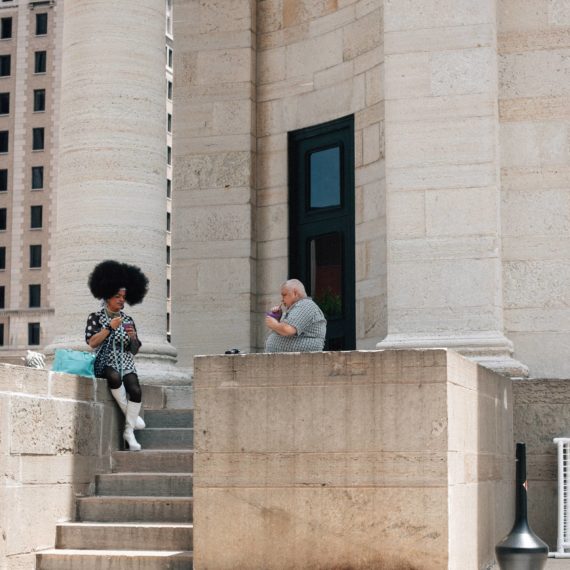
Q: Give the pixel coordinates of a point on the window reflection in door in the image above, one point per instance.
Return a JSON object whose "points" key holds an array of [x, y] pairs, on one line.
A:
{"points": [[326, 273], [324, 183]]}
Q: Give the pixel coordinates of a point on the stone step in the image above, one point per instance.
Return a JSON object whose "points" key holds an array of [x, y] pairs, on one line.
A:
{"points": [[134, 509], [165, 438], [113, 560], [144, 484], [124, 536], [154, 461], [169, 418]]}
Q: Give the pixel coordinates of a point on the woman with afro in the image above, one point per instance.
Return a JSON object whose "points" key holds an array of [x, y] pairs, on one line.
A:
{"points": [[113, 335]]}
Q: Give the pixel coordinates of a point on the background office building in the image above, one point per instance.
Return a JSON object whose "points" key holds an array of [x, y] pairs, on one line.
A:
{"points": [[31, 43]]}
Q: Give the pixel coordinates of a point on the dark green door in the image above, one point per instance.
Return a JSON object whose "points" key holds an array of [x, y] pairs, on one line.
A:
{"points": [[321, 223]]}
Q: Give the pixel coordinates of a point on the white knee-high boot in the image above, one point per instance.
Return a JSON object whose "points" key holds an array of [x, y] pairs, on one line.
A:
{"points": [[120, 395], [133, 409]]}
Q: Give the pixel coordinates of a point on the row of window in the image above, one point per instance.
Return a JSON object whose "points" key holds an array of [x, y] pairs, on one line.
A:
{"points": [[38, 139], [40, 63], [6, 26], [35, 257], [36, 219], [33, 334], [37, 178], [34, 296], [39, 101]]}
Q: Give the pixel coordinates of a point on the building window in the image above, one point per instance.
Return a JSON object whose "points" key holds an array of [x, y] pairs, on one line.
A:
{"points": [[167, 221], [1, 334], [4, 180], [35, 296], [3, 257], [4, 141], [169, 90], [40, 62], [5, 65], [3, 218], [38, 135], [169, 17], [33, 334], [2, 297], [4, 103], [36, 217], [41, 24], [35, 256], [5, 28], [169, 122], [169, 57], [169, 155], [39, 100], [168, 288], [167, 255], [37, 177], [168, 188]]}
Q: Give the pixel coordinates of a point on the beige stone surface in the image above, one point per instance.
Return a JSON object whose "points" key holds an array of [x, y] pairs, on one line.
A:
{"points": [[343, 75], [363, 459], [52, 444], [112, 160], [56, 432]]}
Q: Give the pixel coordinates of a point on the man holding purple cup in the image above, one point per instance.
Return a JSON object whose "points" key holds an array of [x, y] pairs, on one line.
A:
{"points": [[298, 324]]}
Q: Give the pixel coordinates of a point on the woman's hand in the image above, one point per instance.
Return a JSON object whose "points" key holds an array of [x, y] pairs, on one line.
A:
{"points": [[116, 323]]}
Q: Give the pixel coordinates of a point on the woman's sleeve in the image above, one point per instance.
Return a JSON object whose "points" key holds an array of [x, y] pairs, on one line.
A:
{"points": [[92, 327]]}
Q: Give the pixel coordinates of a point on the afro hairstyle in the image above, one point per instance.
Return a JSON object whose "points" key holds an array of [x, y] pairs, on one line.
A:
{"points": [[109, 276]]}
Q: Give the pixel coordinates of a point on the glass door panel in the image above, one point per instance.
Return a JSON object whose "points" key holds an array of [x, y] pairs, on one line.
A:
{"points": [[326, 270], [324, 178]]}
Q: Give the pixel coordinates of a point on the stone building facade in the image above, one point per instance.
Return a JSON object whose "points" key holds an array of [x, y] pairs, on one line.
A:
{"points": [[461, 218]]}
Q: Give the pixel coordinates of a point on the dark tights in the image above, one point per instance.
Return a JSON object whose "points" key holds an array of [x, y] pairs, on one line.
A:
{"points": [[131, 382]]}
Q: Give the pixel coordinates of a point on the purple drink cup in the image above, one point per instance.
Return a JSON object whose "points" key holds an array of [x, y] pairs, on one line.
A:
{"points": [[274, 314]]}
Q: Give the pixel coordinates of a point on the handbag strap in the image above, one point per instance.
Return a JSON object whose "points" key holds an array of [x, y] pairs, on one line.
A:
{"points": [[118, 367]]}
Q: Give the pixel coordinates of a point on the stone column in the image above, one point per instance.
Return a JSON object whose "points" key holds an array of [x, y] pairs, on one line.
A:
{"points": [[442, 179], [213, 200], [111, 200]]}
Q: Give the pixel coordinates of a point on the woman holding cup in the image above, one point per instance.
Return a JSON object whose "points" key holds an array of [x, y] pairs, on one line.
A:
{"points": [[113, 334]]}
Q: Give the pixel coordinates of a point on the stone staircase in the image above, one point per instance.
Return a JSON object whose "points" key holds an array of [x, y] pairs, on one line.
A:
{"points": [[140, 517]]}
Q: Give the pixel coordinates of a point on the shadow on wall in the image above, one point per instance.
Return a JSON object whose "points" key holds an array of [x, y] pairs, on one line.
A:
{"points": [[542, 412]]}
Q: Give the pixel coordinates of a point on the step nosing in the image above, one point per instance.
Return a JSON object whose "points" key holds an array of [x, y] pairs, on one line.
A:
{"points": [[114, 552], [140, 524]]}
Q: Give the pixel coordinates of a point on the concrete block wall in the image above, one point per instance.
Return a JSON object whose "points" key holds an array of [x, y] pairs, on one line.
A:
{"points": [[213, 261], [316, 62], [56, 432], [353, 460], [247, 73], [534, 107]]}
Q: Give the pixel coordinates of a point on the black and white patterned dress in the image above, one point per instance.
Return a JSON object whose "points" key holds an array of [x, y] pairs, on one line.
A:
{"points": [[117, 349]]}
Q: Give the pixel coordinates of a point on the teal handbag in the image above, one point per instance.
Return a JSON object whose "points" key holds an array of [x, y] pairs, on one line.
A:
{"points": [[74, 362]]}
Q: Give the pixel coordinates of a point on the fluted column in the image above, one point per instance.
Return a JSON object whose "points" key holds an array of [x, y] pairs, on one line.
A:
{"points": [[112, 165]]}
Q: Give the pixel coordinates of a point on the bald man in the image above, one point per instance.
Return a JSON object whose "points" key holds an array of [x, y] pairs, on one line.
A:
{"points": [[301, 328]]}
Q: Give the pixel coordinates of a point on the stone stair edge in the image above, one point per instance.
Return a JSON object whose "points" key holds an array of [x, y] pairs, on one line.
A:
{"points": [[120, 524], [107, 553], [137, 497]]}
